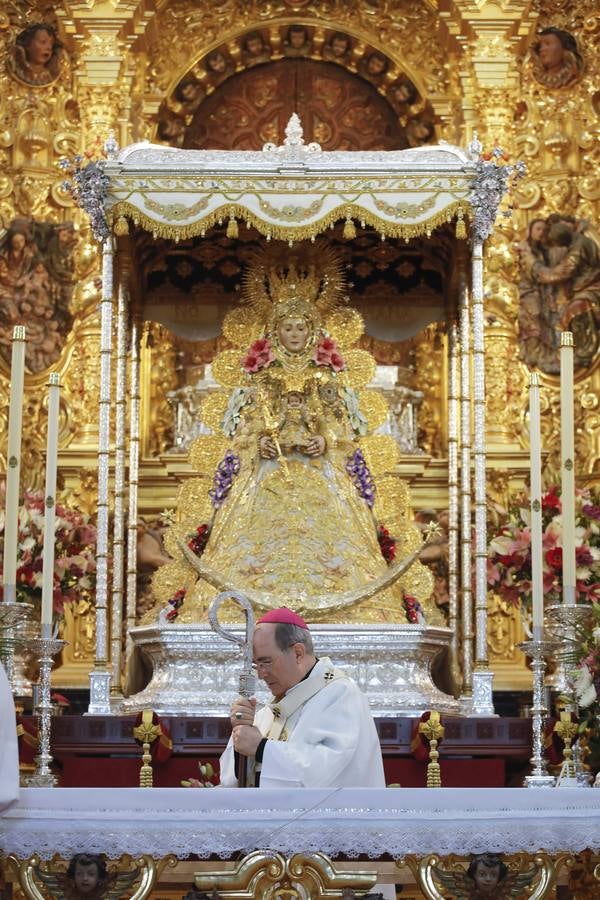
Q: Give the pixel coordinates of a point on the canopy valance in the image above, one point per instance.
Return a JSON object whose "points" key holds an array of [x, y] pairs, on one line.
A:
{"points": [[295, 191]]}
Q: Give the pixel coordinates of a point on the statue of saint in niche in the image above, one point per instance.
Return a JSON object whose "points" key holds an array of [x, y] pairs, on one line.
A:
{"points": [[37, 55], [36, 284], [557, 61], [559, 290]]}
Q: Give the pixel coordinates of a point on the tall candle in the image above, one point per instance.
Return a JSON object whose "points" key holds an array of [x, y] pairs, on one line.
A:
{"points": [[567, 466], [50, 504], [13, 464], [535, 464]]}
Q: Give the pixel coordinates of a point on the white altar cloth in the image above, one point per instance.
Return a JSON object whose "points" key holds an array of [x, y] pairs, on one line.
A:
{"points": [[345, 821]]}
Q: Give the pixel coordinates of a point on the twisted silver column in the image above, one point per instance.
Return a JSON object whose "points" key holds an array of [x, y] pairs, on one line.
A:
{"points": [[483, 703], [100, 677], [119, 508], [453, 498]]}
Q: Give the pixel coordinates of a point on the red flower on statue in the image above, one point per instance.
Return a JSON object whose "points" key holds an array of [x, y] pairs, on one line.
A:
{"points": [[387, 544], [175, 603], [259, 356], [199, 539], [327, 354]]}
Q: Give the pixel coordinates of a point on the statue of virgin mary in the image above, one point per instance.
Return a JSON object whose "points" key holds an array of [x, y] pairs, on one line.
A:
{"points": [[296, 501]]}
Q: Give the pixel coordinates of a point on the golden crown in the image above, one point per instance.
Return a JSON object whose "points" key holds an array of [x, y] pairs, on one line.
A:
{"points": [[310, 287]]}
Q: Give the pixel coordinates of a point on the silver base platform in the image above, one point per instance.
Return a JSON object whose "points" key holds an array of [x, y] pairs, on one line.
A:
{"points": [[195, 672]]}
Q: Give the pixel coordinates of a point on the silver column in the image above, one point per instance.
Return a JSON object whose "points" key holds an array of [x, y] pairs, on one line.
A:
{"points": [[465, 493], [116, 632], [134, 462], [100, 677], [483, 703], [453, 497]]}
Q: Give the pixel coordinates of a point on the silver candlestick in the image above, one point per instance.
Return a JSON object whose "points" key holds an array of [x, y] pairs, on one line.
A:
{"points": [[538, 650], [12, 614], [566, 622], [45, 648]]}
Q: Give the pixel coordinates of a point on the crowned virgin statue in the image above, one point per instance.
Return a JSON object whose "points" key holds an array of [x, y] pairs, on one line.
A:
{"points": [[296, 501]]}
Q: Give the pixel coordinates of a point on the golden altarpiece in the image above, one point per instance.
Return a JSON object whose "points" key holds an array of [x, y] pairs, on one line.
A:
{"points": [[370, 77], [226, 76]]}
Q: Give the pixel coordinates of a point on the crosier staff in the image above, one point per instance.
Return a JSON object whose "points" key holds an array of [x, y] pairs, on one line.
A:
{"points": [[247, 681]]}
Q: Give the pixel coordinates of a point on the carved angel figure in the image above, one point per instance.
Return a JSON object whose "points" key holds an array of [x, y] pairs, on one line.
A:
{"points": [[296, 512], [487, 876], [87, 878], [37, 55]]}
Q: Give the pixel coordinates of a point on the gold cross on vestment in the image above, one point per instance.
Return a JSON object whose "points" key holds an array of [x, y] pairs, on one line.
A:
{"points": [[328, 676]]}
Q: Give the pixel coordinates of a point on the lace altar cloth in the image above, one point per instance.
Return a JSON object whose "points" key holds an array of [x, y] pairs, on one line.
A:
{"points": [[342, 821]]}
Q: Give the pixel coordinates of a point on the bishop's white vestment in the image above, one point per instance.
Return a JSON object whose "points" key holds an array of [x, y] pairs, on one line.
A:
{"points": [[320, 734], [9, 750]]}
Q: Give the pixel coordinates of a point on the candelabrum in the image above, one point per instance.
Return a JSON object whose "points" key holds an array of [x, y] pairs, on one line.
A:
{"points": [[45, 649], [538, 650], [566, 622], [12, 615]]}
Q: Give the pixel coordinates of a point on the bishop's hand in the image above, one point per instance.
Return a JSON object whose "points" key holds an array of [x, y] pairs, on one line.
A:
{"points": [[242, 711], [246, 739]]}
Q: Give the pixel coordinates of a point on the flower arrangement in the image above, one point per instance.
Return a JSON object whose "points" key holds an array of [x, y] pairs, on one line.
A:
{"points": [[74, 563], [586, 685], [509, 557]]}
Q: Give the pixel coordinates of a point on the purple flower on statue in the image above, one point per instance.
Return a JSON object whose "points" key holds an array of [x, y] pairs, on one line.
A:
{"points": [[224, 475], [358, 471]]}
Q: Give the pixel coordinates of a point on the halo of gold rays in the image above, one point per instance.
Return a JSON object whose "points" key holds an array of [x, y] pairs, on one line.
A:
{"points": [[241, 326], [346, 326]]}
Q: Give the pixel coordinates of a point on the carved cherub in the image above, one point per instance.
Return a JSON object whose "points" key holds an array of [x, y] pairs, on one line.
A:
{"points": [[487, 876], [87, 878]]}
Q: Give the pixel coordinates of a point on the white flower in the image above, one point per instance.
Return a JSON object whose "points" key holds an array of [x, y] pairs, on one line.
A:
{"points": [[596, 634], [584, 686], [588, 697]]}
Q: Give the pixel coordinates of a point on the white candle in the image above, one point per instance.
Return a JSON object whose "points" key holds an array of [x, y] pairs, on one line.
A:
{"points": [[535, 464], [13, 467], [567, 466], [50, 504]]}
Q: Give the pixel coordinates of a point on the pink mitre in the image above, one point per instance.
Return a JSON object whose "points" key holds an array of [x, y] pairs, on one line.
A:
{"points": [[283, 616]]}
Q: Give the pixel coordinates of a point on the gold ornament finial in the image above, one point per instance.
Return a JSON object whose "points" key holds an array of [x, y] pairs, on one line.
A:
{"points": [[433, 732]]}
